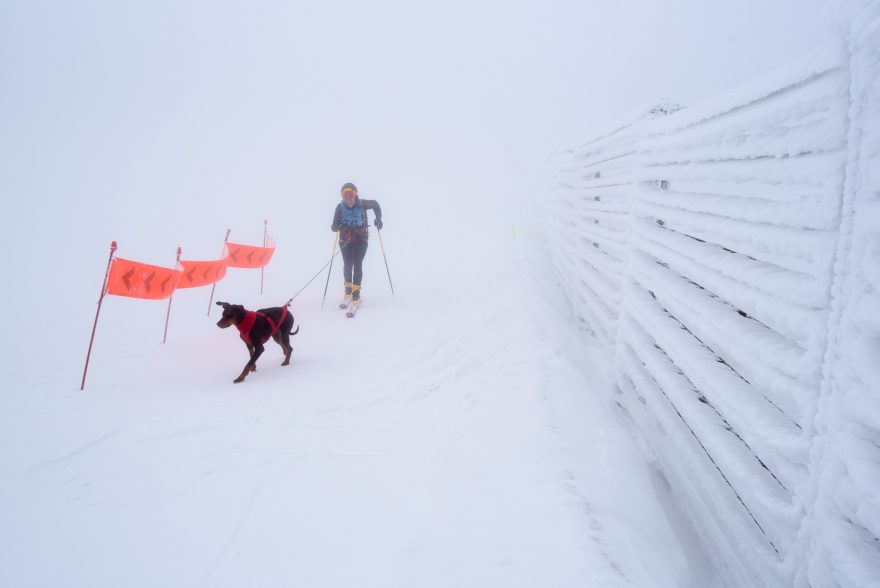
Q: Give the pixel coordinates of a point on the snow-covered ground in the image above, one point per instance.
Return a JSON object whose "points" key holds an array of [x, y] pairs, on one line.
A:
{"points": [[456, 434]]}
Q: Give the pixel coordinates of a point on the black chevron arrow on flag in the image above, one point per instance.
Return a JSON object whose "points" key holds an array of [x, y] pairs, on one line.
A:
{"points": [[126, 279], [149, 279]]}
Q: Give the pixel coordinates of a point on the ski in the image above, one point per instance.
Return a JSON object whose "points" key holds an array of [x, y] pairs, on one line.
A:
{"points": [[344, 305], [352, 311]]}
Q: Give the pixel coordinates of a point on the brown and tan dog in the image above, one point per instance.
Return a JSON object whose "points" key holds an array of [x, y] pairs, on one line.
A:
{"points": [[256, 328]]}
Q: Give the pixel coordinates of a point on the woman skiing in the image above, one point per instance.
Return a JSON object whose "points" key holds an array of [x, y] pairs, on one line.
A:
{"points": [[350, 219]]}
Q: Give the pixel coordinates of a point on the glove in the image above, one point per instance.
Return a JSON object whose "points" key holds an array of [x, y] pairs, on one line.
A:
{"points": [[378, 223]]}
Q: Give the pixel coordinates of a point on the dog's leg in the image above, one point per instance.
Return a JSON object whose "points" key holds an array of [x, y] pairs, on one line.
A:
{"points": [[258, 351], [250, 366], [244, 372], [285, 346], [251, 353]]}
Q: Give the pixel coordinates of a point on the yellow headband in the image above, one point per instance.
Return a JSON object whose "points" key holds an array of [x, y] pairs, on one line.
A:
{"points": [[348, 190]]}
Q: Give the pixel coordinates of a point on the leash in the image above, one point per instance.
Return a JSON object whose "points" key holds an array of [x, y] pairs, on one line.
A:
{"points": [[320, 271]]}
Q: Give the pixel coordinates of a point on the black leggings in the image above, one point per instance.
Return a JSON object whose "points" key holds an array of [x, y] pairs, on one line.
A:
{"points": [[353, 261]]}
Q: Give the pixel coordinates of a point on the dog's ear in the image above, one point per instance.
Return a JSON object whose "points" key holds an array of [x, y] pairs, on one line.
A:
{"points": [[223, 304]]}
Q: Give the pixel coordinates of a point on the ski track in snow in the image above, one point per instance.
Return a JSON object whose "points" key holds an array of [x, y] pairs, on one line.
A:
{"points": [[466, 439], [241, 520]]}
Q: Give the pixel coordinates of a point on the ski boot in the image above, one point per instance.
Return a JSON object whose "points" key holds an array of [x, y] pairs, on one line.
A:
{"points": [[346, 300]]}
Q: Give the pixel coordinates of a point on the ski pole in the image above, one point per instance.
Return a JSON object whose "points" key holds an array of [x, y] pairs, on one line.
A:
{"points": [[382, 245], [330, 271]]}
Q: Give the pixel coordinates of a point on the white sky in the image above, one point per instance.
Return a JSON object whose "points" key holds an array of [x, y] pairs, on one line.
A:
{"points": [[199, 105]]}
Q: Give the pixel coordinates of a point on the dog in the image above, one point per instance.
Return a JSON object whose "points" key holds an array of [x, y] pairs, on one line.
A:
{"points": [[256, 328]]}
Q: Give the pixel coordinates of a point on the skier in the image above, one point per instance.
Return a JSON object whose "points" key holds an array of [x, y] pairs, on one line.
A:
{"points": [[350, 219]]}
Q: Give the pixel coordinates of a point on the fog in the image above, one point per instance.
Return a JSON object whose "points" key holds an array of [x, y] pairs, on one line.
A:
{"points": [[174, 120]]}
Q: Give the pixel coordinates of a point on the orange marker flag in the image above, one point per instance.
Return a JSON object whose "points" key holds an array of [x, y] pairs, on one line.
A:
{"points": [[202, 273], [249, 256], [140, 280]]}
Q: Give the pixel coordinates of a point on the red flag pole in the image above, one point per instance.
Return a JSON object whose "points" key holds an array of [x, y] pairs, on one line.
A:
{"points": [[170, 298], [98, 313], [214, 285], [263, 269]]}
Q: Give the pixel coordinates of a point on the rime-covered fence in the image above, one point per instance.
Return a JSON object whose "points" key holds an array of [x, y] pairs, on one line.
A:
{"points": [[727, 257]]}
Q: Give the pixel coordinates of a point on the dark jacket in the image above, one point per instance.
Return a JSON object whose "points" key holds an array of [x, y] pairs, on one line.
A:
{"points": [[352, 222]]}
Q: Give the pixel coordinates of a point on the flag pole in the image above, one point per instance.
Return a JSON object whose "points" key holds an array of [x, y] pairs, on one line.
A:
{"points": [[170, 298], [263, 269], [98, 313], [214, 285]]}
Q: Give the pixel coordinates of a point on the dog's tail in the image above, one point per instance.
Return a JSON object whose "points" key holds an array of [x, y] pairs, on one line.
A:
{"points": [[296, 331]]}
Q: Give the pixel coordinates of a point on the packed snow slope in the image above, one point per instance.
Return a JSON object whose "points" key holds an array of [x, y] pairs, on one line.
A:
{"points": [[456, 434]]}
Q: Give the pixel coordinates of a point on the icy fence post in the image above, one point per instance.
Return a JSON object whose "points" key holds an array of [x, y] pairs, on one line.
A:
{"points": [[589, 220], [840, 539]]}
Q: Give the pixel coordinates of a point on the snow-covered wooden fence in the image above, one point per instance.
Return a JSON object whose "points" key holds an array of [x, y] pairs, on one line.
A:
{"points": [[715, 251], [592, 218]]}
